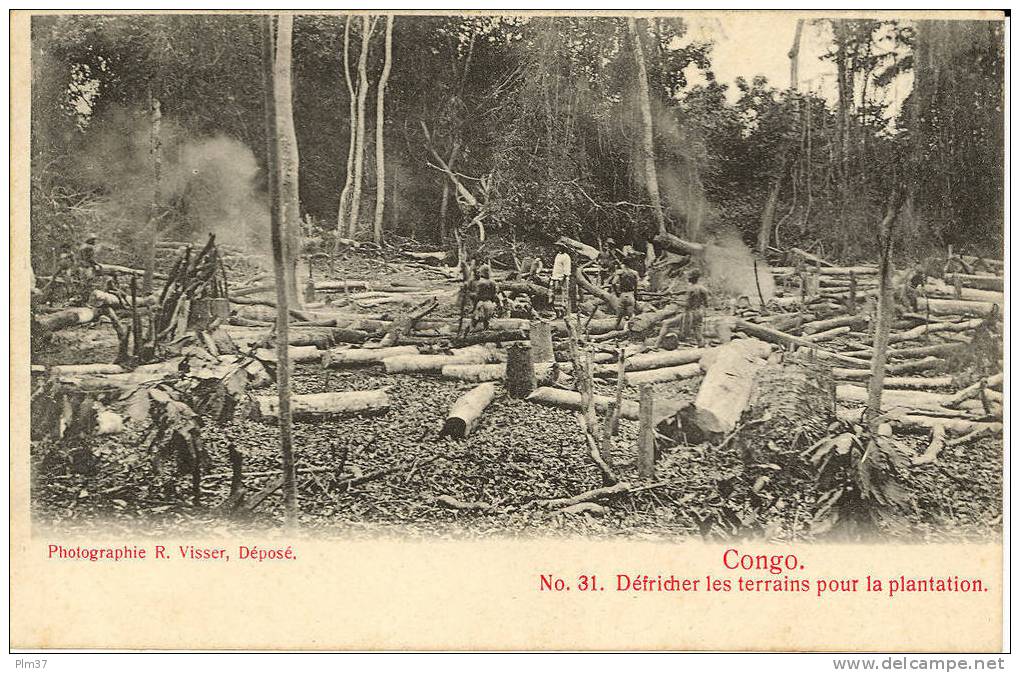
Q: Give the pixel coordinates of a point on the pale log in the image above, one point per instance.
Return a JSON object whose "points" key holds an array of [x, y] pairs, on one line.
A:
{"points": [[465, 413], [323, 405], [726, 388]]}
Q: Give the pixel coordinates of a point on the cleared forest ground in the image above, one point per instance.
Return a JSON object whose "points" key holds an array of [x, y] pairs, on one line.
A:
{"points": [[390, 473]]}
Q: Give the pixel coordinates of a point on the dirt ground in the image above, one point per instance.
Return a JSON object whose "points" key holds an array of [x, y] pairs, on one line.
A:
{"points": [[520, 452]]}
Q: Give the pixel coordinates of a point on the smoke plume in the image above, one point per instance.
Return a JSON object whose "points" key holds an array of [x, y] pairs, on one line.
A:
{"points": [[207, 184]]}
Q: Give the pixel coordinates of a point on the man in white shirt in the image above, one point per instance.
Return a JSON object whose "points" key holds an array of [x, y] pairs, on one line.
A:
{"points": [[561, 271]]}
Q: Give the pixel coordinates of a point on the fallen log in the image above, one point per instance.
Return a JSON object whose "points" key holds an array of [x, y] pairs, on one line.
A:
{"points": [[900, 368], [116, 269], [995, 283], [490, 336], [783, 339], [726, 388], [545, 372], [295, 353], [940, 289], [956, 307], [336, 358], [973, 390], [864, 270], [678, 245], [827, 334], [932, 328], [85, 370], [815, 259], [101, 298], [68, 317], [608, 298], [907, 399], [323, 405], [915, 351], [410, 364], [571, 399], [662, 374], [819, 326], [465, 413], [659, 359], [646, 321], [913, 382]]}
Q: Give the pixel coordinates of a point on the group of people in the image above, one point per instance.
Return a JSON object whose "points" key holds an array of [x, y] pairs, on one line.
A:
{"points": [[76, 272], [616, 271]]}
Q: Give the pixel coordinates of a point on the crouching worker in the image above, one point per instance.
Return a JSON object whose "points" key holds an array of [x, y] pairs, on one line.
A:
{"points": [[486, 295], [624, 283]]}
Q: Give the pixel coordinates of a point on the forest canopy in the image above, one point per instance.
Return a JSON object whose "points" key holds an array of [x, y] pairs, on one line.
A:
{"points": [[540, 119]]}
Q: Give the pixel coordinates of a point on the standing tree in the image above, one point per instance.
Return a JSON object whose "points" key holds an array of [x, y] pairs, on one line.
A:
{"points": [[156, 156], [647, 143], [883, 321], [276, 220], [367, 29], [288, 153], [345, 194], [380, 165]]}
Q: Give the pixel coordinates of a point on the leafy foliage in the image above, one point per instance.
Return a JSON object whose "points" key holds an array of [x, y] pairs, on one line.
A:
{"points": [[861, 476]]}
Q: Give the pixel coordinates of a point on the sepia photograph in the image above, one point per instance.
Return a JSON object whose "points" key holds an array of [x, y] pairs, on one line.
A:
{"points": [[733, 278], [483, 274]]}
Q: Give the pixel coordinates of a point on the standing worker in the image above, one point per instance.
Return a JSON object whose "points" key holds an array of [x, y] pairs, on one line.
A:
{"points": [[691, 323], [486, 295], [87, 255], [624, 284], [562, 268]]}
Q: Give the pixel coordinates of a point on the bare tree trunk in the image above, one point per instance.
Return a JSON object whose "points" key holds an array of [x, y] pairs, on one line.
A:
{"points": [[445, 203], [648, 145], [794, 56], [359, 140], [345, 194], [156, 152], [279, 270], [844, 101], [884, 319], [768, 215], [288, 154], [380, 107]]}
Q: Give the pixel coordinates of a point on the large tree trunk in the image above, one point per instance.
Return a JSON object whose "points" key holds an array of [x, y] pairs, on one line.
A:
{"points": [[768, 215], [647, 142], [726, 388], [288, 156], [359, 139], [156, 153], [380, 165], [276, 219], [885, 310], [342, 228]]}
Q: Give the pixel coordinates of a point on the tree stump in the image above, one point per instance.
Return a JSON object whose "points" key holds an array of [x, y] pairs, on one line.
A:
{"points": [[520, 371], [541, 342]]}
